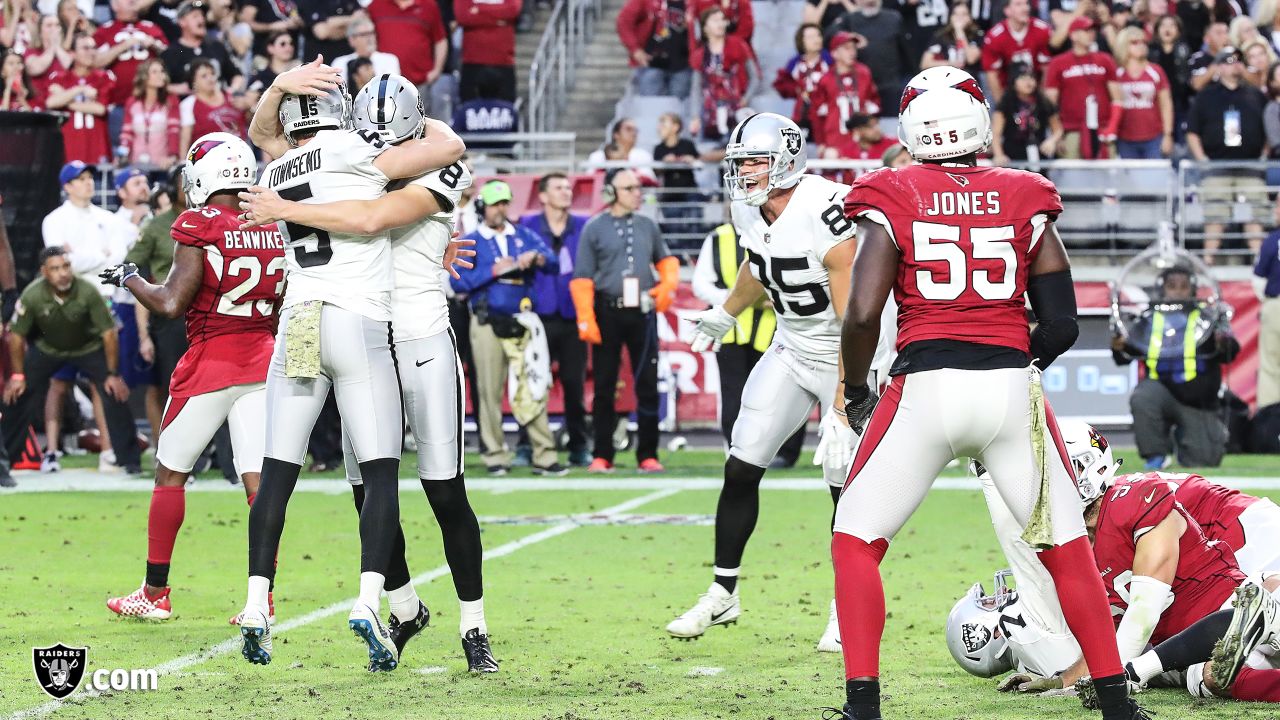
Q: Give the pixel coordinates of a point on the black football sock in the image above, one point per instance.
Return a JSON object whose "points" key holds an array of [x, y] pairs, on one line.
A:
{"points": [[736, 514], [835, 503], [266, 515], [397, 574], [461, 534], [158, 574], [1191, 646], [1113, 697], [379, 515], [862, 699]]}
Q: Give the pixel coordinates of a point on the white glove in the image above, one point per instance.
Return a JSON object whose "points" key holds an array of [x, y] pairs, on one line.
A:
{"points": [[836, 442], [710, 326]]}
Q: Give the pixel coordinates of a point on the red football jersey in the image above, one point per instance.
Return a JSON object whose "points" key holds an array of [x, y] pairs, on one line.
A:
{"points": [[84, 136], [838, 97], [126, 65], [1002, 48], [1207, 573], [1215, 507], [1077, 78], [966, 239], [232, 319]]}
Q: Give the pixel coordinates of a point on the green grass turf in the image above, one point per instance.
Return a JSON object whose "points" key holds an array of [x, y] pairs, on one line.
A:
{"points": [[576, 619]]}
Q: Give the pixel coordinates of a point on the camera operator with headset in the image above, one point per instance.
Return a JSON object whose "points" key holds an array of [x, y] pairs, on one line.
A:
{"points": [[500, 287], [623, 272]]}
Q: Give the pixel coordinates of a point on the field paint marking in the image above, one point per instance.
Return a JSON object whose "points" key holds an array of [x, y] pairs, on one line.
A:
{"points": [[91, 481], [226, 646], [705, 671], [432, 670], [598, 519]]}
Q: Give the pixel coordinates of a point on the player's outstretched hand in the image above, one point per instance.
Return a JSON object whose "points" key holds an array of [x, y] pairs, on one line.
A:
{"points": [[454, 255], [710, 327], [1028, 682], [117, 274], [836, 442], [314, 78], [261, 206], [859, 401]]}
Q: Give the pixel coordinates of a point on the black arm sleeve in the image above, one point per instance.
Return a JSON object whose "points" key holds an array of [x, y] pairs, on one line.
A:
{"points": [[1053, 302]]}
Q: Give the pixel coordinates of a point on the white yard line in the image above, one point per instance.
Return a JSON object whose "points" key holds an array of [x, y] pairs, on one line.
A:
{"points": [[90, 481], [231, 644]]}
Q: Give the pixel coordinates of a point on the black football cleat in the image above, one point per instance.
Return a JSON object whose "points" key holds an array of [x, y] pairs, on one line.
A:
{"points": [[479, 656], [846, 713], [402, 633]]}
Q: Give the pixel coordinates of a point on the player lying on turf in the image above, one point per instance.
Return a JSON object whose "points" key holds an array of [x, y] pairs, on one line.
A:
{"points": [[799, 249], [335, 332], [989, 635], [418, 215], [1033, 625], [962, 248], [228, 281]]}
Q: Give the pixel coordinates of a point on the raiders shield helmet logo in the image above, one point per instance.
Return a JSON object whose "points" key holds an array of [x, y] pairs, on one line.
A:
{"points": [[975, 637], [791, 140], [59, 669]]}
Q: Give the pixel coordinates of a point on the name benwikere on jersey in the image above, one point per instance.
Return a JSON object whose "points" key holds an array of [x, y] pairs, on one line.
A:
{"points": [[252, 240], [305, 163]]}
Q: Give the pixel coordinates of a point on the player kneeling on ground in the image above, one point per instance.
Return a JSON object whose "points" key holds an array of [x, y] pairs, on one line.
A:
{"points": [[228, 282], [418, 214]]}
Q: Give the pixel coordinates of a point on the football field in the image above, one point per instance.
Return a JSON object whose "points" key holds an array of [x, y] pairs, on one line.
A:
{"points": [[582, 575]]}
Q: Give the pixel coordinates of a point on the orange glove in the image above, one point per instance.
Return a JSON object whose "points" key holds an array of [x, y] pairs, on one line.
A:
{"points": [[583, 291], [664, 293]]}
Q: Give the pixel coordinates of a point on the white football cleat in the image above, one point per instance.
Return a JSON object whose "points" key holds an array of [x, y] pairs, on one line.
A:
{"points": [[830, 641], [717, 606], [137, 604], [255, 630], [364, 622]]}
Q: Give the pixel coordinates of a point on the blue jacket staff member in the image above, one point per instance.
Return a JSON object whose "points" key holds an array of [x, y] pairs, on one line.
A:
{"points": [[508, 258], [624, 272]]}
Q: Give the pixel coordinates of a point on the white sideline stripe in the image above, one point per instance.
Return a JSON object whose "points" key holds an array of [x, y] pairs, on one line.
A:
{"points": [[90, 481], [598, 519], [341, 606]]}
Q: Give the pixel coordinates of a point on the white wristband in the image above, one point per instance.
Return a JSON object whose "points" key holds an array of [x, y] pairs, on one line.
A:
{"points": [[1147, 598]]}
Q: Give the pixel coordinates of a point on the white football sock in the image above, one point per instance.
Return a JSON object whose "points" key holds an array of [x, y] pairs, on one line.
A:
{"points": [[404, 602], [371, 590], [257, 597], [1147, 666], [471, 615]]}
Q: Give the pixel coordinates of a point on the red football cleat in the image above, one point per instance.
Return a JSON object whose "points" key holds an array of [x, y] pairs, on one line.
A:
{"points": [[600, 465], [138, 604], [651, 465]]}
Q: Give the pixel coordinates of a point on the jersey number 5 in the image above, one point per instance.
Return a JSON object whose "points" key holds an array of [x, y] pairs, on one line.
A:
{"points": [[989, 243], [776, 285], [298, 234]]}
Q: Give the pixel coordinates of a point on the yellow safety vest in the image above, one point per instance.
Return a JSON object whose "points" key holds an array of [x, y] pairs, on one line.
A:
{"points": [[755, 326], [1188, 345]]}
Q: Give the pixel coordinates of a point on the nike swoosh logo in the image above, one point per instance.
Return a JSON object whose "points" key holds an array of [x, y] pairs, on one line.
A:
{"points": [[833, 197], [1150, 495], [424, 362], [716, 616], [186, 224]]}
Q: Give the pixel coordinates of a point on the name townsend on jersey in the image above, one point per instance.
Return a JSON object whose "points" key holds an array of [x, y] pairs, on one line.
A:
{"points": [[965, 203], [252, 240], [305, 163]]}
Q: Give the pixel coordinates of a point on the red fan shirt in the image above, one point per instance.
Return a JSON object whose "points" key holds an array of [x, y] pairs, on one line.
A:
{"points": [[837, 97], [84, 136], [1140, 103], [1081, 82], [231, 321], [1003, 48], [126, 65]]}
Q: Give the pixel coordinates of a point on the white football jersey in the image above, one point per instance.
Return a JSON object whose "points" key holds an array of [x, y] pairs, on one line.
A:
{"points": [[418, 305], [786, 257], [353, 272]]}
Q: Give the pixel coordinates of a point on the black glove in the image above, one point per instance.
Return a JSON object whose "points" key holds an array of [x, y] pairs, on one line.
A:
{"points": [[859, 401], [117, 274], [8, 301]]}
